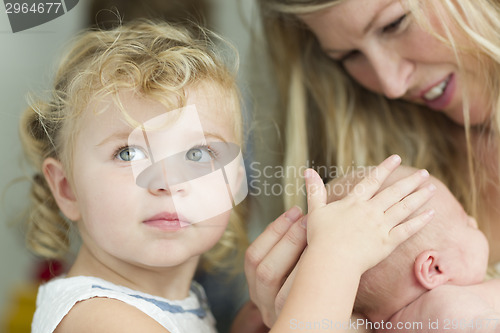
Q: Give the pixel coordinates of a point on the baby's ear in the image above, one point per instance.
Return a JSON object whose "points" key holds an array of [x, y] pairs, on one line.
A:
{"points": [[429, 271], [61, 189]]}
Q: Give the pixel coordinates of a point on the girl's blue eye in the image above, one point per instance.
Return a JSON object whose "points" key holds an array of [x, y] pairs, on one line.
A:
{"points": [[129, 154], [200, 154]]}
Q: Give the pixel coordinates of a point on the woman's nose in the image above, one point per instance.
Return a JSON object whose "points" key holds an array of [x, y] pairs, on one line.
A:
{"points": [[392, 70]]}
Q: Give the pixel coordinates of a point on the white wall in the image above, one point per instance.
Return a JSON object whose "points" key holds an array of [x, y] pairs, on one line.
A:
{"points": [[232, 18], [26, 62]]}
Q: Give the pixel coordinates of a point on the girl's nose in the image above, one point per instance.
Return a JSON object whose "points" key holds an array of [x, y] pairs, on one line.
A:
{"points": [[161, 181]]}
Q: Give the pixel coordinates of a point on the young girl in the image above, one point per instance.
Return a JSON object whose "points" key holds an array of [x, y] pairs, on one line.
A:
{"points": [[138, 147], [96, 145]]}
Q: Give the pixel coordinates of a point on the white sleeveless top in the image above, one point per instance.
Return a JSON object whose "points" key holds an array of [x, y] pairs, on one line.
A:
{"points": [[56, 298]]}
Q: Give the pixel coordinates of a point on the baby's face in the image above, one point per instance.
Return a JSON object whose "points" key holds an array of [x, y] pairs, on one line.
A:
{"points": [[464, 243]]}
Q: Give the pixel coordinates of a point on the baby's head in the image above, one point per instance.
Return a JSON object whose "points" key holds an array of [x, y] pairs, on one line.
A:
{"points": [[114, 81], [449, 250]]}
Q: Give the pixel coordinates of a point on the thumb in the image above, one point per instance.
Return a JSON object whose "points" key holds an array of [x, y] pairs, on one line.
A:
{"points": [[316, 191]]}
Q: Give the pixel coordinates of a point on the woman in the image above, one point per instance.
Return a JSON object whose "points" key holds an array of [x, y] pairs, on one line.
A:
{"points": [[374, 77]]}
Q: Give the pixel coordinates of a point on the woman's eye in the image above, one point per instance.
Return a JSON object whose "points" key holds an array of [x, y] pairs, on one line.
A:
{"points": [[393, 26], [200, 154], [129, 154], [349, 56]]}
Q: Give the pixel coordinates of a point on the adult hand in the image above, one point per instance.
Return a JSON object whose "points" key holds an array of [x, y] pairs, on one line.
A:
{"points": [[271, 258]]}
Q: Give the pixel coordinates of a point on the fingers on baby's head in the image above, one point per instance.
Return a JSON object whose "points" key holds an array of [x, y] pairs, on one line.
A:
{"points": [[401, 172], [404, 171], [443, 202]]}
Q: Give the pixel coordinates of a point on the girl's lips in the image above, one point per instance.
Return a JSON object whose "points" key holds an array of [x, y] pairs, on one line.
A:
{"points": [[167, 221], [442, 101]]}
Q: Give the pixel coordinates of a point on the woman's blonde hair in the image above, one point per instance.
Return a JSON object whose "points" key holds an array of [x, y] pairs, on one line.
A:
{"points": [[158, 61], [331, 120]]}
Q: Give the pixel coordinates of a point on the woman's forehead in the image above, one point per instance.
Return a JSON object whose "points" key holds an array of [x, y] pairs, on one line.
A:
{"points": [[351, 14]]}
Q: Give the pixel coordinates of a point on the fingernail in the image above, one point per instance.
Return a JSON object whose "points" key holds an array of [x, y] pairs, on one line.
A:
{"points": [[395, 159], [303, 223], [424, 173], [431, 187], [307, 173], [293, 213]]}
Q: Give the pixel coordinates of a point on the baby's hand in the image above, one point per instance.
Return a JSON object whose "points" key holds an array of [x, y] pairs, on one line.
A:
{"points": [[365, 226]]}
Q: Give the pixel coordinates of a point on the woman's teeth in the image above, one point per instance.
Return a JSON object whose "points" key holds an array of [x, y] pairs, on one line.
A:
{"points": [[437, 91]]}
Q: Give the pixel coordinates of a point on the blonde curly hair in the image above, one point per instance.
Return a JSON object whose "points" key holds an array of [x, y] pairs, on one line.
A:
{"points": [[156, 59]]}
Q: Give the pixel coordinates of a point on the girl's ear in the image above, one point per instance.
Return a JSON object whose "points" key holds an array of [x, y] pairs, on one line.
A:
{"points": [[61, 188], [428, 271]]}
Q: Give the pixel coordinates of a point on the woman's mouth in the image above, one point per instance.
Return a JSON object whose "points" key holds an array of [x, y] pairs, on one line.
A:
{"points": [[436, 91], [439, 96]]}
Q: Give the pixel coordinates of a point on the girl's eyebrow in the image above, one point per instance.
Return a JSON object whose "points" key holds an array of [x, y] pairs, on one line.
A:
{"points": [[119, 136], [214, 135], [124, 135]]}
